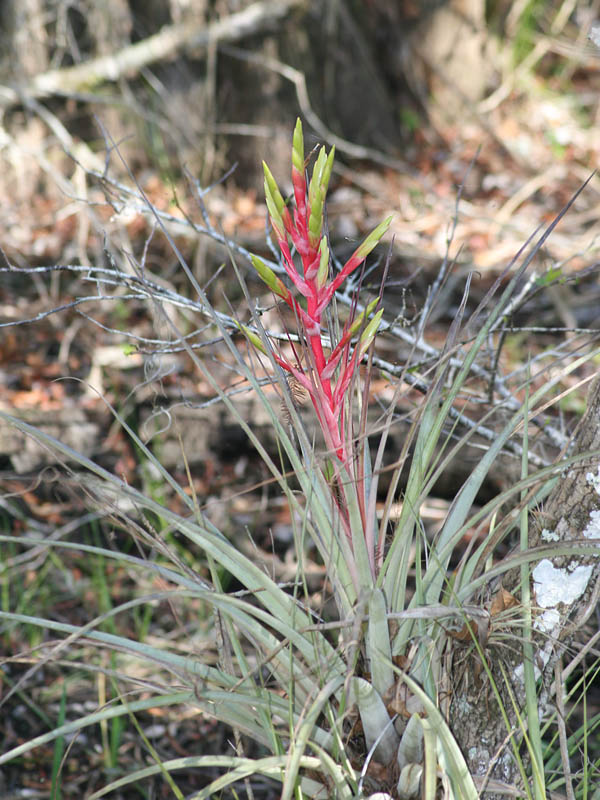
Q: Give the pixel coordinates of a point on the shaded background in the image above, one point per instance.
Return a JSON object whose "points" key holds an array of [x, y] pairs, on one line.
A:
{"points": [[419, 98]]}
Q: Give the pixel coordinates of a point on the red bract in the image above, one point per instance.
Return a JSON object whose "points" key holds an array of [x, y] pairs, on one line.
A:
{"points": [[326, 378]]}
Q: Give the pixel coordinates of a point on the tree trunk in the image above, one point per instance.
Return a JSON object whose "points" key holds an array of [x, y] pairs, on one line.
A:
{"points": [[565, 591], [25, 44]]}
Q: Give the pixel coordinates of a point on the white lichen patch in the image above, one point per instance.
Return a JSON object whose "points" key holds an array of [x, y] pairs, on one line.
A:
{"points": [[594, 480], [479, 758], [554, 585], [549, 536], [592, 529], [547, 621]]}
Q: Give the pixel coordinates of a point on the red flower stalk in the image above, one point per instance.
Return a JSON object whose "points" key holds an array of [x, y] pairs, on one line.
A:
{"points": [[326, 378]]}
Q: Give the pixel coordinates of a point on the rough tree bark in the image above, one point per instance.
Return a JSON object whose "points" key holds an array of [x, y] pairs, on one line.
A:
{"points": [[565, 590], [439, 48]]}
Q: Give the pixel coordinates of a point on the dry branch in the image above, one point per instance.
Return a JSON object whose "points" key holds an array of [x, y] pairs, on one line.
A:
{"points": [[166, 44]]}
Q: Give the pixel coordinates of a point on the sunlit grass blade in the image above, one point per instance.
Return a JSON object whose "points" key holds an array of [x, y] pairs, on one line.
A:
{"points": [[304, 733], [59, 749], [532, 712], [68, 728]]}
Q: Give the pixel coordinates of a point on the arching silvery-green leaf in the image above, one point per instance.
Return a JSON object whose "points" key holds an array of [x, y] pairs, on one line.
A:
{"points": [[377, 726]]}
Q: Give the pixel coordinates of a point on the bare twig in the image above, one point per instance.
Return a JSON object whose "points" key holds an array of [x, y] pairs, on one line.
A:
{"points": [[163, 45], [298, 78]]}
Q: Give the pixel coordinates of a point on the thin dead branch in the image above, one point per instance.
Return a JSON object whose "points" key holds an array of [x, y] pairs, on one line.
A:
{"points": [[165, 44]]}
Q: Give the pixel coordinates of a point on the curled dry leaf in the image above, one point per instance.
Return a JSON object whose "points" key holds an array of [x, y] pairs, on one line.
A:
{"points": [[502, 601]]}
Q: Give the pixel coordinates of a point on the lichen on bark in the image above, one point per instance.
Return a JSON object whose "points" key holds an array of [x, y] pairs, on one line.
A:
{"points": [[571, 515]]}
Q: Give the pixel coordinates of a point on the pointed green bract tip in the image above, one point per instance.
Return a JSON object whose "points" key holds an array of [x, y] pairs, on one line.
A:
{"points": [[317, 176], [298, 147], [254, 339], [267, 171], [323, 270], [315, 226], [373, 238], [275, 202], [371, 307], [272, 188], [369, 332], [327, 171], [364, 314], [268, 276]]}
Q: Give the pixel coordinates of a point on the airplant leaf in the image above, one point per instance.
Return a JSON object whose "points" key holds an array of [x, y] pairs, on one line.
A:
{"points": [[377, 726], [458, 771], [410, 750], [379, 652]]}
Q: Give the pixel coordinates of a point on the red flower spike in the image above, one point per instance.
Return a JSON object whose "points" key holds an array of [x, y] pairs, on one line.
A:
{"points": [[304, 226]]}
